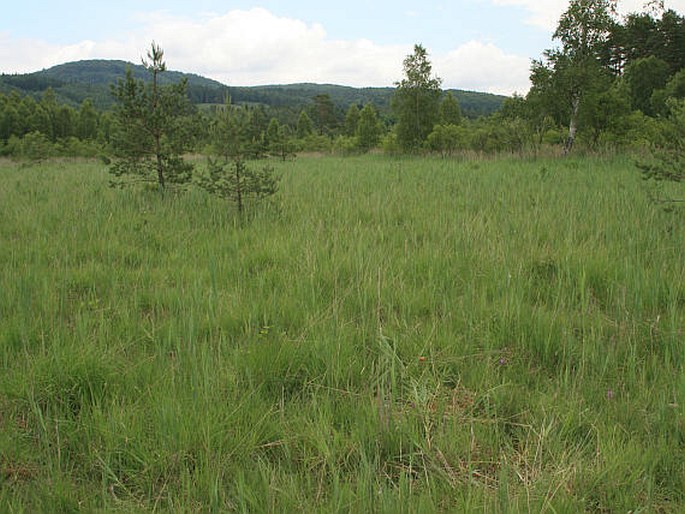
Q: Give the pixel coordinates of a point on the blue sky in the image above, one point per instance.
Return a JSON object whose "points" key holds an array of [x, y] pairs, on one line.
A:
{"points": [[483, 45], [438, 24]]}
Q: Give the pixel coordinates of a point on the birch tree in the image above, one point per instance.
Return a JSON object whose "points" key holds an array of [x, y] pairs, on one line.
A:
{"points": [[575, 67]]}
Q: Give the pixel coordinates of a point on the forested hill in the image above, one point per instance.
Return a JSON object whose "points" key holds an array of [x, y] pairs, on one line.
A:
{"points": [[74, 82], [473, 104]]}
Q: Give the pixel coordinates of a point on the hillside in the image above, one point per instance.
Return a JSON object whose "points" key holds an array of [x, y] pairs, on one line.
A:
{"points": [[73, 82], [473, 104]]}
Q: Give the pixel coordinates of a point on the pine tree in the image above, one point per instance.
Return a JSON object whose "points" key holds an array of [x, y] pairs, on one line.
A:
{"points": [[228, 174], [304, 125], [149, 134]]}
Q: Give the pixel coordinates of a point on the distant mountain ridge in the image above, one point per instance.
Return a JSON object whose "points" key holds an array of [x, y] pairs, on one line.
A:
{"points": [[73, 82]]}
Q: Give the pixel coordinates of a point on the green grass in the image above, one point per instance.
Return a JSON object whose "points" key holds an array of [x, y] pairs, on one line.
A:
{"points": [[388, 336]]}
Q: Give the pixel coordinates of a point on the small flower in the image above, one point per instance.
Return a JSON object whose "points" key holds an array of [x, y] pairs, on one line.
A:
{"points": [[422, 359], [610, 394], [502, 361]]}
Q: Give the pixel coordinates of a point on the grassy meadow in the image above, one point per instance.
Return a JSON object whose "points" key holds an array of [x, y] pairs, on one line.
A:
{"points": [[388, 335]]}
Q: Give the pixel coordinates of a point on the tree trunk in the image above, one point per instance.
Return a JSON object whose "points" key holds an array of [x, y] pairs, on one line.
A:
{"points": [[157, 131], [573, 124], [160, 167], [239, 185]]}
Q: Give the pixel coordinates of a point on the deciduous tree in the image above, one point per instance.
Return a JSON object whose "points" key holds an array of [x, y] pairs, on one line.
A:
{"points": [[644, 76], [416, 100], [87, 128], [668, 162], [576, 67], [351, 120], [450, 111], [368, 129]]}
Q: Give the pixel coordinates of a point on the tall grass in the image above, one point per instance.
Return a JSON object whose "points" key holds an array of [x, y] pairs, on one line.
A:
{"points": [[391, 335]]}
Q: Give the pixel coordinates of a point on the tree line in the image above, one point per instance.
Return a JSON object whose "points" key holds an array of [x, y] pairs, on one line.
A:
{"points": [[30, 128], [608, 82]]}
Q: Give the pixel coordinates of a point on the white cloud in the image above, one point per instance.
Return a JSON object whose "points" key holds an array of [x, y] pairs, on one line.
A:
{"points": [[23, 55], [546, 13], [250, 47], [255, 46], [481, 66]]}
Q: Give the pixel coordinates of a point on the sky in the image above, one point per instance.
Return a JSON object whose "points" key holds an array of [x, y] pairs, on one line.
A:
{"points": [[478, 45]]}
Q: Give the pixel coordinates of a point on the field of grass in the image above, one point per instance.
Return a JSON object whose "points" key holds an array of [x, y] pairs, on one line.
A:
{"points": [[412, 335]]}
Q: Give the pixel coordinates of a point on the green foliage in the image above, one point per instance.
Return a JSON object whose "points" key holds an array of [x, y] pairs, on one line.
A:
{"points": [[346, 145], [668, 162], [351, 120], [535, 109], [390, 145], [74, 82], [584, 84], [676, 85], [304, 125], [368, 128], [675, 88], [325, 114], [643, 77], [272, 132], [447, 139], [314, 143], [237, 135], [150, 126], [416, 101], [87, 128], [574, 72], [229, 133], [236, 182], [21, 116], [77, 81], [35, 146], [584, 28], [603, 70], [644, 35], [501, 135], [450, 112], [279, 140], [256, 143], [604, 112]]}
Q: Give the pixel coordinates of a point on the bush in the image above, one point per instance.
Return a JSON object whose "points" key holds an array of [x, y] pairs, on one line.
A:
{"points": [[665, 171], [390, 145], [35, 146], [346, 145], [74, 147], [446, 139], [315, 143]]}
